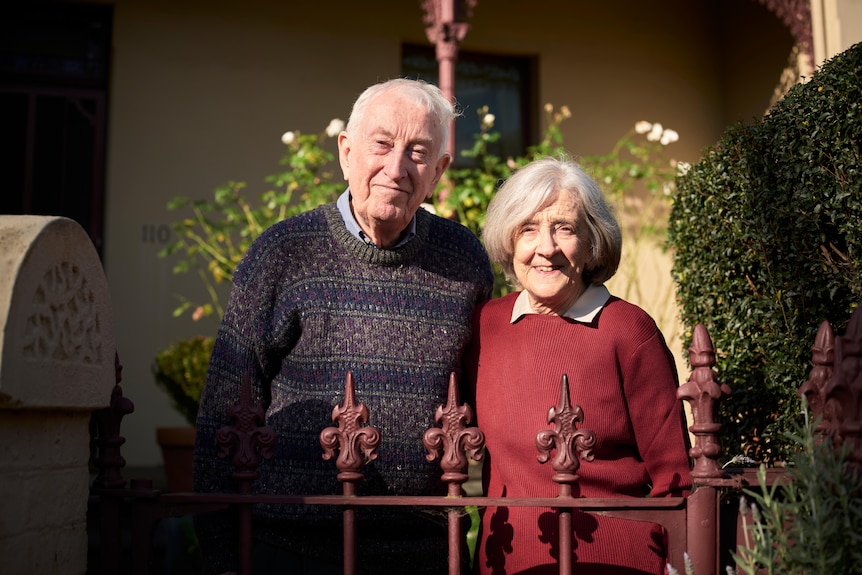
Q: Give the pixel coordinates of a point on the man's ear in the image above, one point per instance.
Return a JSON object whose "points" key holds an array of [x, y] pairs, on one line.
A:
{"points": [[440, 169], [344, 153]]}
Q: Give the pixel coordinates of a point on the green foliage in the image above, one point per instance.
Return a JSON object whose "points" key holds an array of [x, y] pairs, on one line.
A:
{"points": [[635, 175], [218, 232], [808, 522], [180, 370], [212, 239], [766, 232]]}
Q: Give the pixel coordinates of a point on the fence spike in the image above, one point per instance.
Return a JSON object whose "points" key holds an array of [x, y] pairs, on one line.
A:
{"points": [[453, 438], [566, 438], [109, 461], [814, 388], [247, 434], [352, 437], [843, 392], [702, 391]]}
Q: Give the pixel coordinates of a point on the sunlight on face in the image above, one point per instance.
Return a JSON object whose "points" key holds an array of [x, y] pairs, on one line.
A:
{"points": [[391, 165], [551, 253]]}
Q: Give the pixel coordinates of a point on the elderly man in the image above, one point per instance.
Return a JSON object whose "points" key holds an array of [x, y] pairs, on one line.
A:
{"points": [[370, 284]]}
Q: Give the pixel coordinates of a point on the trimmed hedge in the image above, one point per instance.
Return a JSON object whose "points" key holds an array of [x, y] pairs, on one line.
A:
{"points": [[766, 232]]}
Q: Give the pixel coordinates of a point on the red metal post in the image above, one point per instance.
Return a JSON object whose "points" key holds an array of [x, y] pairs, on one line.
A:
{"points": [[570, 443], [450, 442], [247, 434], [109, 462], [702, 391], [834, 386], [352, 438], [446, 26], [814, 389]]}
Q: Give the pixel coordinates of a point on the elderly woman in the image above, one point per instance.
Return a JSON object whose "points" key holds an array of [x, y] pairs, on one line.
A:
{"points": [[553, 234]]}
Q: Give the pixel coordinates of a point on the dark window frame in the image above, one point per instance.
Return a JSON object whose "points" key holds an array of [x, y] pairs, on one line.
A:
{"points": [[418, 61]]}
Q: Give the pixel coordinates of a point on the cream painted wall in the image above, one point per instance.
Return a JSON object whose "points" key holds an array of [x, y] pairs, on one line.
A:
{"points": [[836, 25], [202, 91]]}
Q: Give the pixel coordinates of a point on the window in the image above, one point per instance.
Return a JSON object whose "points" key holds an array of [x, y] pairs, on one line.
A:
{"points": [[53, 90], [503, 83]]}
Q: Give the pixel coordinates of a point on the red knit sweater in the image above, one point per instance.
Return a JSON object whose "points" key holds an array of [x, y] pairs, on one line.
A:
{"points": [[622, 374]]}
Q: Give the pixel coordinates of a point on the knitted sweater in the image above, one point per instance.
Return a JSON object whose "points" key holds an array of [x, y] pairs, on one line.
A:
{"points": [[623, 376], [311, 302]]}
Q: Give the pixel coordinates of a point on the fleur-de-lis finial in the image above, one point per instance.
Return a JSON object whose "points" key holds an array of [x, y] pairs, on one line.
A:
{"points": [[247, 433], [843, 392], [568, 440], [453, 438], [702, 391], [814, 388], [352, 437]]}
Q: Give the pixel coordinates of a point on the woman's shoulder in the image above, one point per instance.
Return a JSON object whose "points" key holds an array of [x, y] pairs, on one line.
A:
{"points": [[497, 307], [626, 317]]}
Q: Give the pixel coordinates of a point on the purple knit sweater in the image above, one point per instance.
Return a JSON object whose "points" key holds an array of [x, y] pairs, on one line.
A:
{"points": [[311, 302]]}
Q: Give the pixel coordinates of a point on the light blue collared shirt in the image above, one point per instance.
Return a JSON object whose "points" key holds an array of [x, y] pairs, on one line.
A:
{"points": [[584, 310], [343, 204]]}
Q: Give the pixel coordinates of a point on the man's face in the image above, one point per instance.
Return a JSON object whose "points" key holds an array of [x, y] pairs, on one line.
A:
{"points": [[391, 165]]}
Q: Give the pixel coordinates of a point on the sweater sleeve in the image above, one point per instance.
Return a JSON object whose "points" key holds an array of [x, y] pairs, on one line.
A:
{"points": [[244, 347], [657, 418]]}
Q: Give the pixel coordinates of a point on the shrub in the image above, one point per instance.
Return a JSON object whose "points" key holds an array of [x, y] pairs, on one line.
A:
{"points": [[180, 371], [766, 232], [811, 520]]}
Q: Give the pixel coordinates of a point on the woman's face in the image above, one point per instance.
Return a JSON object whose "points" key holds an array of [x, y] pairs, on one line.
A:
{"points": [[552, 249]]}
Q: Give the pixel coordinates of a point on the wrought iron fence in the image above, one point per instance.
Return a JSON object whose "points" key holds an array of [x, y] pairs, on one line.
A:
{"points": [[692, 523]]}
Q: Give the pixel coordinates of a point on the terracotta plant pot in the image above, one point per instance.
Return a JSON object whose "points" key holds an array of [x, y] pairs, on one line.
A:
{"points": [[177, 445]]}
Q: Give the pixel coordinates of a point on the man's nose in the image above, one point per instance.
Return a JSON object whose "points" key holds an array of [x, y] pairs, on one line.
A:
{"points": [[396, 164]]}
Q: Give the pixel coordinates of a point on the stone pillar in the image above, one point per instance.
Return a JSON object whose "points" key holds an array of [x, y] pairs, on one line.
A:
{"points": [[57, 351]]}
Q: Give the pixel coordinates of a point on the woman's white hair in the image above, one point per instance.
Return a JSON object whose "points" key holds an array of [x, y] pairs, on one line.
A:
{"points": [[536, 186]]}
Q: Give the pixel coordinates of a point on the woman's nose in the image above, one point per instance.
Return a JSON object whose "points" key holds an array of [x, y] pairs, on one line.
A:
{"points": [[547, 245]]}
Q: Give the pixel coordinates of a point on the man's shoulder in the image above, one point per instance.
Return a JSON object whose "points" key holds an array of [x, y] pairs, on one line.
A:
{"points": [[272, 246], [445, 232]]}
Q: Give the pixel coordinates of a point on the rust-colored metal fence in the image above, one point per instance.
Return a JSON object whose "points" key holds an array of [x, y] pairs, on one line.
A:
{"points": [[693, 523]]}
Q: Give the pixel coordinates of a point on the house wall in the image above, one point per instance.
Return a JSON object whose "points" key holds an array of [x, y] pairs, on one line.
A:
{"points": [[202, 91]]}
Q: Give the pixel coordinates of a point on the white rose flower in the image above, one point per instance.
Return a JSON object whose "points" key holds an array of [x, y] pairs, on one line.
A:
{"points": [[643, 127], [656, 132], [668, 137], [334, 128], [288, 138]]}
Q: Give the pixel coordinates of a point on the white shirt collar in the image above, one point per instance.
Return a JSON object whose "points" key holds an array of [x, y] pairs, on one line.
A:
{"points": [[584, 310]]}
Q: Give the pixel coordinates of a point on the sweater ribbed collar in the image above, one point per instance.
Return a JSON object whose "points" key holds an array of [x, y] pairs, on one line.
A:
{"points": [[396, 256]]}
